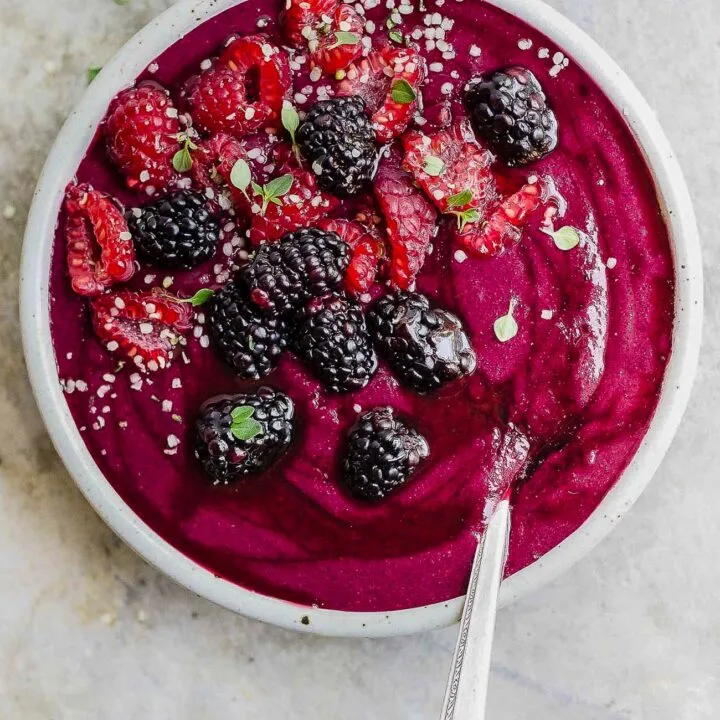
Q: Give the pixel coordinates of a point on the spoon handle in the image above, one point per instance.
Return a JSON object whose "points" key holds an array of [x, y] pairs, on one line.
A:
{"points": [[466, 693]]}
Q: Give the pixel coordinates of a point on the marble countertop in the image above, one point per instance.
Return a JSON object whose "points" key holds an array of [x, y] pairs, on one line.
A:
{"points": [[88, 630]]}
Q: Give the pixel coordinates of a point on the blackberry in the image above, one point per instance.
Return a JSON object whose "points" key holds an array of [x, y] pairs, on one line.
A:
{"points": [[426, 346], [238, 435], [335, 343], [338, 140], [176, 232], [283, 276], [250, 341], [510, 113], [382, 454]]}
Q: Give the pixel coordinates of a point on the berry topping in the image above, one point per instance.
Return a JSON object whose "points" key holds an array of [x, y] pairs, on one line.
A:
{"points": [[287, 202], [337, 138], [308, 263], [264, 71], [144, 326], [249, 340], [335, 344], [337, 43], [504, 225], [175, 232], [301, 18], [509, 112], [382, 454], [367, 252], [389, 81], [410, 219], [99, 245], [453, 170], [330, 30], [425, 346], [239, 435], [213, 163], [142, 129], [221, 102]]}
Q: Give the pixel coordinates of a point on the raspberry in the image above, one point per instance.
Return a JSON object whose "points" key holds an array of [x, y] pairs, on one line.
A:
{"points": [[240, 435], [410, 219], [425, 346], [99, 246], [504, 225], [265, 73], [509, 111], [141, 131], [448, 164], [213, 162], [249, 340], [302, 206], [389, 81], [382, 454], [299, 15], [367, 251], [331, 51], [338, 141], [335, 344], [283, 276], [219, 101], [175, 232], [144, 326]]}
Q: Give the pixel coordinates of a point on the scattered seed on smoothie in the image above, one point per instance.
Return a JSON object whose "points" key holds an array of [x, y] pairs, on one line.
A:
{"points": [[525, 43], [611, 263]]}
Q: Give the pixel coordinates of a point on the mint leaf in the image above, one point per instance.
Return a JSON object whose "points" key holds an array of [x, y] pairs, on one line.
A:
{"points": [[506, 327], [402, 92], [345, 38], [182, 160], [245, 428], [566, 238], [460, 199], [200, 297], [290, 120], [242, 412], [240, 175], [397, 37], [467, 216], [434, 166], [92, 72], [278, 186]]}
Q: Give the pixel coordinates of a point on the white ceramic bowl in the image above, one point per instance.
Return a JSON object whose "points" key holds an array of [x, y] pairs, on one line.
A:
{"points": [[64, 158]]}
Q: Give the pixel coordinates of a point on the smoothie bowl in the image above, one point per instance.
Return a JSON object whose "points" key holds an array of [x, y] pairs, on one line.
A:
{"points": [[294, 278]]}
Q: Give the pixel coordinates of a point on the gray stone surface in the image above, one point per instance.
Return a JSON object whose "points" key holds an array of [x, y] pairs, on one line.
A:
{"points": [[88, 630]]}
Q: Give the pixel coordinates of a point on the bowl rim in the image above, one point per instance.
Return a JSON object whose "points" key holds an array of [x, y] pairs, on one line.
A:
{"points": [[61, 164]]}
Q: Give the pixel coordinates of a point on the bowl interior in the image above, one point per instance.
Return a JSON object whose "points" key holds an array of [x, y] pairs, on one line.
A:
{"points": [[64, 158]]}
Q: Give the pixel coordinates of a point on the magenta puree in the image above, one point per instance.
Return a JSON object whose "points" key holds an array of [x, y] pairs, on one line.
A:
{"points": [[584, 384]]}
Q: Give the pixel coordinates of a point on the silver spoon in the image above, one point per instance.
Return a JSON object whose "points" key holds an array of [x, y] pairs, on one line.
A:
{"points": [[466, 692]]}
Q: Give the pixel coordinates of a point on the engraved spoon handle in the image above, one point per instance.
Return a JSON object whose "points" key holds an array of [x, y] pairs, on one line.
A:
{"points": [[466, 693]]}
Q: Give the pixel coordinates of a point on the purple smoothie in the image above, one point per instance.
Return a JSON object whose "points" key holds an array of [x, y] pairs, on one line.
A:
{"points": [[582, 377]]}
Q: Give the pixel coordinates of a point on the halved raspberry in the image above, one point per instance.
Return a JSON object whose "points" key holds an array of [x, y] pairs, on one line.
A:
{"points": [[299, 15], [367, 251], [100, 251], [213, 162], [504, 226], [389, 81], [142, 130], [300, 207], [338, 43], [219, 103], [450, 163], [410, 218], [144, 326], [266, 81]]}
